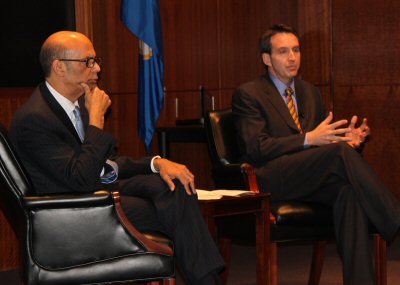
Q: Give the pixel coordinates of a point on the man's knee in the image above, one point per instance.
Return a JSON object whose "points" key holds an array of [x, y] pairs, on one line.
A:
{"points": [[340, 149]]}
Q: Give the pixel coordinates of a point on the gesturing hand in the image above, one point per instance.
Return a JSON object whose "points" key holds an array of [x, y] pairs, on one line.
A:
{"points": [[357, 135], [170, 170], [327, 132]]}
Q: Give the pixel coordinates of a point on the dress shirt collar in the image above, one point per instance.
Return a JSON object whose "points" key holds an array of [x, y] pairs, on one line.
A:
{"points": [[282, 86], [66, 104]]}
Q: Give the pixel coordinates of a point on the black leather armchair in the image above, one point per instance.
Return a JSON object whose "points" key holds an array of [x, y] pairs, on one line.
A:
{"points": [[289, 221], [77, 239]]}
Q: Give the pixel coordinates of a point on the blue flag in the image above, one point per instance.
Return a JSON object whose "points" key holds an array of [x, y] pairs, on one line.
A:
{"points": [[142, 17]]}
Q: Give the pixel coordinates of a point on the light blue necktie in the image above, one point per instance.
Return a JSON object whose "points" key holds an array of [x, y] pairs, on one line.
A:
{"points": [[78, 123], [110, 167]]}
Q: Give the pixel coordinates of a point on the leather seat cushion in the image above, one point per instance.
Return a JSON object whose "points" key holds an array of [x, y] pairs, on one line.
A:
{"points": [[301, 214]]}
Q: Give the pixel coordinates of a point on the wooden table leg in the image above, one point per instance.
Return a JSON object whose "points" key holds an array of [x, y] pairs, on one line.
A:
{"points": [[224, 244], [259, 207], [225, 247], [263, 244]]}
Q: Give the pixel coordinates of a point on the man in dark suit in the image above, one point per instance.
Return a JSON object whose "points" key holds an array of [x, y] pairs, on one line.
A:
{"points": [[58, 133], [301, 154]]}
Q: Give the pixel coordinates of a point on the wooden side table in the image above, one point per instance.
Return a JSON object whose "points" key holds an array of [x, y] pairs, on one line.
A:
{"points": [[257, 204]]}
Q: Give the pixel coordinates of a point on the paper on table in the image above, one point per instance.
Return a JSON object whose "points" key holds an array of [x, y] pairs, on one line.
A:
{"points": [[218, 194]]}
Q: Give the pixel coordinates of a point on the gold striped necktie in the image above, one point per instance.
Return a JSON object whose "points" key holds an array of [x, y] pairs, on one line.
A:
{"points": [[292, 107]]}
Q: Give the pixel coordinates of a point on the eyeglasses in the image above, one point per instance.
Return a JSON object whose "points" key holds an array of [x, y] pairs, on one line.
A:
{"points": [[90, 61]]}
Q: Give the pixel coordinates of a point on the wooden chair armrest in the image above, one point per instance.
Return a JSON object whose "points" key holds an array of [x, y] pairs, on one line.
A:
{"points": [[147, 243], [250, 176]]}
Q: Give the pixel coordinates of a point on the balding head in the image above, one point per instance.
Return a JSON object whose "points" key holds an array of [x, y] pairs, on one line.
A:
{"points": [[60, 45]]}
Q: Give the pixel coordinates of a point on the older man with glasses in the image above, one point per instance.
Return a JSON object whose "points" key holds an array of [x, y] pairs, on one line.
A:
{"points": [[58, 134]]}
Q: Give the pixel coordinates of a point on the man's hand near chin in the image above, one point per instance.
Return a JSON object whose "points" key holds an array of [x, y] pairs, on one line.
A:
{"points": [[97, 102]]}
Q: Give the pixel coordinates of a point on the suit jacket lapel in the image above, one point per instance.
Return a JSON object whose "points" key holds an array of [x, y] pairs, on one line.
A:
{"points": [[58, 110], [276, 100], [300, 95]]}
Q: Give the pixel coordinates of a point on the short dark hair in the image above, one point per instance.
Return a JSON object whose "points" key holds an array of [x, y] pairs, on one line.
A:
{"points": [[265, 39], [48, 53]]}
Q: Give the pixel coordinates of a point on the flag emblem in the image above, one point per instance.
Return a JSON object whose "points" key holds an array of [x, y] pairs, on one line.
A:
{"points": [[142, 18]]}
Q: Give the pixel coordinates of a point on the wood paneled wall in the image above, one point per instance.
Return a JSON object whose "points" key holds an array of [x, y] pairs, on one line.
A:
{"points": [[366, 53], [10, 100], [349, 49]]}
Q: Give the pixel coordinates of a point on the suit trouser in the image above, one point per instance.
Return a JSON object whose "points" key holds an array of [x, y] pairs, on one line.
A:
{"points": [[337, 175], [150, 205]]}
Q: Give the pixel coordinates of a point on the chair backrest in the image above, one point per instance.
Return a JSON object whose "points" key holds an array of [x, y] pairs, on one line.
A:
{"points": [[11, 169], [221, 137], [14, 182]]}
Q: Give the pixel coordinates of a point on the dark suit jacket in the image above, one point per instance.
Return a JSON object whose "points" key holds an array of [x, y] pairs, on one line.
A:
{"points": [[267, 133], [265, 127], [52, 153]]}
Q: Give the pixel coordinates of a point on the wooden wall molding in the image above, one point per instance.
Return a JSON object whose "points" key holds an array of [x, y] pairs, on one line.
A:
{"points": [[84, 17]]}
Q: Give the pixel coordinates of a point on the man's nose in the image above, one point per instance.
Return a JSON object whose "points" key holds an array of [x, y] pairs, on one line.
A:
{"points": [[97, 67], [292, 56]]}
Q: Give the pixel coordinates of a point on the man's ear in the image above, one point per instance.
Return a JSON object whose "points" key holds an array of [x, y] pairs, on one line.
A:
{"points": [[58, 67], [266, 58]]}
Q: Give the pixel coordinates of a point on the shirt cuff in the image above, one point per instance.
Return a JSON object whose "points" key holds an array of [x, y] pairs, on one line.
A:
{"points": [[113, 164], [109, 173], [305, 144], [152, 164]]}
